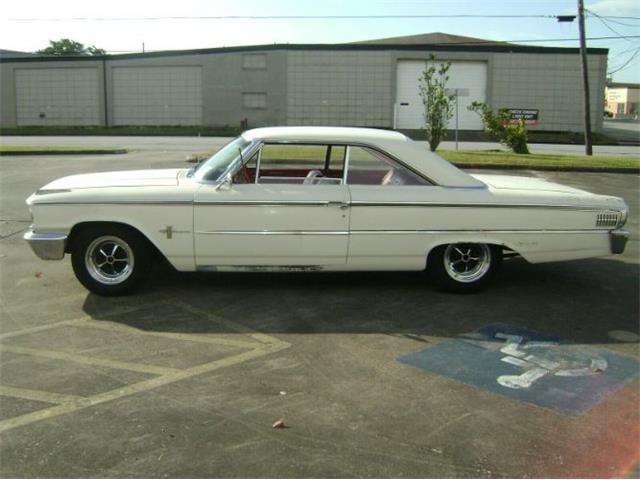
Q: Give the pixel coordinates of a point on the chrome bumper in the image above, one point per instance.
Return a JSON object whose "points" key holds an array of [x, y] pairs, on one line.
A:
{"points": [[48, 246], [618, 239]]}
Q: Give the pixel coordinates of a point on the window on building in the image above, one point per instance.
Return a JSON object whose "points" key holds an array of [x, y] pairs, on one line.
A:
{"points": [[255, 101], [254, 61], [370, 167]]}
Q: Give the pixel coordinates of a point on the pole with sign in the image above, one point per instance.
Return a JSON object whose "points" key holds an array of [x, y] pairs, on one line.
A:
{"points": [[457, 93]]}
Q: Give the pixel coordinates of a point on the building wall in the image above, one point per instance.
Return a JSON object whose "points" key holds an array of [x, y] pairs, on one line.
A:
{"points": [[551, 83], [52, 93], [623, 102], [309, 87], [339, 88]]}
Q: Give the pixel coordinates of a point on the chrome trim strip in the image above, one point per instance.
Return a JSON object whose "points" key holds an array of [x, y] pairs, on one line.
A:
{"points": [[391, 232], [439, 232], [359, 203], [121, 202], [271, 232], [263, 203]]}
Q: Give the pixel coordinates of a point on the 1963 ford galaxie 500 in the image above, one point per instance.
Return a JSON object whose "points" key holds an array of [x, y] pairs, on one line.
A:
{"points": [[316, 198]]}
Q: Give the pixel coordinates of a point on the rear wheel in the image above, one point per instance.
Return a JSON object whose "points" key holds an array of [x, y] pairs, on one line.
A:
{"points": [[109, 260], [463, 267]]}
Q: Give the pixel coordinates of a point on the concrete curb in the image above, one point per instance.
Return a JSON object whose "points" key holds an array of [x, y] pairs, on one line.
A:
{"points": [[549, 168], [97, 151]]}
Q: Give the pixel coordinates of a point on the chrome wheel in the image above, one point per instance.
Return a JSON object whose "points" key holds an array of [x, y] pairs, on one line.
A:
{"points": [[467, 262], [109, 260]]}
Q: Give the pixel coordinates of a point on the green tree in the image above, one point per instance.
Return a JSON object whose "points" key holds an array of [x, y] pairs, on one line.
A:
{"points": [[66, 46], [437, 104], [513, 135]]}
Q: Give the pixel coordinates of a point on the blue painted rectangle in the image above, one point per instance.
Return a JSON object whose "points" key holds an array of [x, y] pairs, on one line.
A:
{"points": [[477, 359]]}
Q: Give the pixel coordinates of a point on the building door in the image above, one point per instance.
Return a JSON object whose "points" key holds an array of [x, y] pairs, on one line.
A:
{"points": [[469, 78]]}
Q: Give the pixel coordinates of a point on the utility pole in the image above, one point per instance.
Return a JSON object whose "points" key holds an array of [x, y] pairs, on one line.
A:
{"points": [[588, 147]]}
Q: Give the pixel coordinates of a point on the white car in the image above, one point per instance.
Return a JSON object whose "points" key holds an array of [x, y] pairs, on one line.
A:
{"points": [[317, 199]]}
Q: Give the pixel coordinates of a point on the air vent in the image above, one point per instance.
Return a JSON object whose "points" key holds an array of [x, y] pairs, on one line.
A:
{"points": [[608, 219]]}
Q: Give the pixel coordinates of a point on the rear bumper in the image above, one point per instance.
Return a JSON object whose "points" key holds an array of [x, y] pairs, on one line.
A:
{"points": [[618, 240], [48, 246]]}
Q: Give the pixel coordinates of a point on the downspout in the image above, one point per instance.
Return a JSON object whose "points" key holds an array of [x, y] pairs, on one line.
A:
{"points": [[104, 91]]}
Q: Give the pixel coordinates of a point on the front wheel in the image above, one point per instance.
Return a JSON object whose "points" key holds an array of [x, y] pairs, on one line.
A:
{"points": [[463, 267], [109, 260]]}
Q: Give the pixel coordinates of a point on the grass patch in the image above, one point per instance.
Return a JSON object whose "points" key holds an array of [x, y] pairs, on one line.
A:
{"points": [[501, 158]]}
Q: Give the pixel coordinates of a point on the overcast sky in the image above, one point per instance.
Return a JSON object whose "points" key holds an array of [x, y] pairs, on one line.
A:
{"points": [[121, 26]]}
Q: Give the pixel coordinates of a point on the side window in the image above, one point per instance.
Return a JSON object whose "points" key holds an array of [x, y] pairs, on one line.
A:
{"points": [[370, 167], [300, 164], [247, 173]]}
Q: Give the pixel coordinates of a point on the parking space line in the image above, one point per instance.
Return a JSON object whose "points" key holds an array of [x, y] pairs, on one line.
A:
{"points": [[190, 337], [84, 360], [40, 328], [139, 387], [63, 323], [38, 395]]}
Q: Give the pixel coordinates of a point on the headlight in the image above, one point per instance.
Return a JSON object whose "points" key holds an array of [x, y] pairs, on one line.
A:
{"points": [[624, 214]]}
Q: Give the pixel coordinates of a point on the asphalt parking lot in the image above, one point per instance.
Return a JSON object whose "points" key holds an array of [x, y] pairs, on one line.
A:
{"points": [[375, 375]]}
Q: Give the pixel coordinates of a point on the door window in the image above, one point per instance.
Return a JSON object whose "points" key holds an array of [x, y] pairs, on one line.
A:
{"points": [[370, 167], [300, 164]]}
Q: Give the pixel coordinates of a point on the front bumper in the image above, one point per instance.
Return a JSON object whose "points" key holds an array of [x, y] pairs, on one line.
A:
{"points": [[618, 240], [48, 246]]}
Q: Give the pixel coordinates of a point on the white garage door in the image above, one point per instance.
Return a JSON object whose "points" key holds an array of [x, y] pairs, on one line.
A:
{"points": [[57, 96], [469, 77], [157, 96]]}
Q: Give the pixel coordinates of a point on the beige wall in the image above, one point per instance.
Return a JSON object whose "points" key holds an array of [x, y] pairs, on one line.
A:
{"points": [[291, 86]]}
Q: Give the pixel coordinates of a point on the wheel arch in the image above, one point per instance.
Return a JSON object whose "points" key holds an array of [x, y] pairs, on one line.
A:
{"points": [[83, 226], [506, 249]]}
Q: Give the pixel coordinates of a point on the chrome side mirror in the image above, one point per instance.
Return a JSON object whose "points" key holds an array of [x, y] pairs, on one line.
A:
{"points": [[226, 183]]}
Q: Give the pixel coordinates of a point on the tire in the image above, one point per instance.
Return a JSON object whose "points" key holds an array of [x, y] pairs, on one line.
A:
{"points": [[110, 260], [463, 267]]}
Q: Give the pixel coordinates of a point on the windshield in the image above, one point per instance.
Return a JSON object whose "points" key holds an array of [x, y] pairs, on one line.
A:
{"points": [[215, 166]]}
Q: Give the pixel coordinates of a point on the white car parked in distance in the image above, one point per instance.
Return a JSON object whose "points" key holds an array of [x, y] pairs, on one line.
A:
{"points": [[317, 199]]}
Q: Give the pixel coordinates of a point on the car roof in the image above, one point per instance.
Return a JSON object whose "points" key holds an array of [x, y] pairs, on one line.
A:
{"points": [[324, 134], [413, 154]]}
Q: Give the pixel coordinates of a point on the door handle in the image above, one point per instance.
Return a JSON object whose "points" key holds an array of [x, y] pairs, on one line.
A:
{"points": [[341, 205]]}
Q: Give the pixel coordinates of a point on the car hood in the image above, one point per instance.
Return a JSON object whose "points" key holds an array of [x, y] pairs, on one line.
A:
{"points": [[130, 178], [530, 184]]}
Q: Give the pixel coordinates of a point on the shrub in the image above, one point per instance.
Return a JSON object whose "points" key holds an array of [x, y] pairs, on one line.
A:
{"points": [[437, 104], [513, 135]]}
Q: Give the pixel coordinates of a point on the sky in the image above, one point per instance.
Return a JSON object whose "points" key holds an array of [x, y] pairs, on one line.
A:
{"points": [[123, 26]]}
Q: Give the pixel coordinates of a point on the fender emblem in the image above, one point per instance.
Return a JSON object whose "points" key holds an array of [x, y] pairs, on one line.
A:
{"points": [[169, 231]]}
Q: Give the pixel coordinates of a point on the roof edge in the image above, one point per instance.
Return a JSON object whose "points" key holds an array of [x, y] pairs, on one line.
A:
{"points": [[512, 48]]}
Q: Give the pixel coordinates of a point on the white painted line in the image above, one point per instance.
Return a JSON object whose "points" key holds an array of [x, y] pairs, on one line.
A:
{"points": [[76, 321], [268, 346], [137, 387], [522, 381], [113, 326], [515, 361], [40, 396], [84, 360]]}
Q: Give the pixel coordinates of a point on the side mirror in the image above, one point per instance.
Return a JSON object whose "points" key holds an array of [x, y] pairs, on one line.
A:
{"points": [[226, 183]]}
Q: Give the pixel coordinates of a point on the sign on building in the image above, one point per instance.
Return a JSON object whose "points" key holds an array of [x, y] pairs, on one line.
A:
{"points": [[529, 116]]}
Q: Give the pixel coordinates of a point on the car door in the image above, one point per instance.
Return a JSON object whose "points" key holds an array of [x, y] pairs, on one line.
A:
{"points": [[388, 228], [285, 208]]}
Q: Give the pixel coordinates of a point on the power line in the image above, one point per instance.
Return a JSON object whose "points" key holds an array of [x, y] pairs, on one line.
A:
{"points": [[620, 23], [625, 64], [606, 24], [265, 17]]}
